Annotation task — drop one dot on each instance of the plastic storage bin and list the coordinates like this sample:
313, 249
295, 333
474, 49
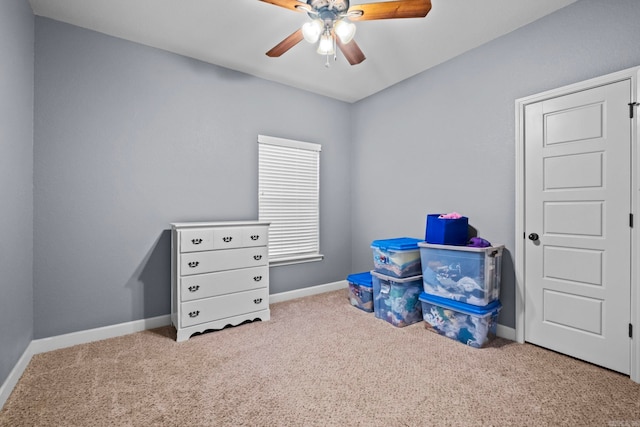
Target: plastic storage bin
396, 300
399, 257
467, 274
471, 325
446, 231
361, 291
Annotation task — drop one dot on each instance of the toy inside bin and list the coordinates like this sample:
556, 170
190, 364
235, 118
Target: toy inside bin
396, 300
361, 291
469, 324
399, 257
447, 231
462, 273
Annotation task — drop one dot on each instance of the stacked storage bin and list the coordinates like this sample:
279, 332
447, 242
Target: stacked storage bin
397, 281
361, 291
461, 287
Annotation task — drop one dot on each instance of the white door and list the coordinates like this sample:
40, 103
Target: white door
577, 225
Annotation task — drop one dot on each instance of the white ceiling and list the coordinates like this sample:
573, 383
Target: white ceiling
236, 34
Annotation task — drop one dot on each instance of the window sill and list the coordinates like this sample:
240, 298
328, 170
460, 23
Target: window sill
296, 260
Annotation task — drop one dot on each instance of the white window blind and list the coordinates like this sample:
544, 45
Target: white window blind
288, 188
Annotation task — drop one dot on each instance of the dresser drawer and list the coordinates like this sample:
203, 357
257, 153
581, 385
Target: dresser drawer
227, 237
224, 282
200, 239
255, 236
215, 308
210, 261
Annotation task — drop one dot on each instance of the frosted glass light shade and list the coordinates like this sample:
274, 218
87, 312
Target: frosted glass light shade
345, 30
325, 47
311, 30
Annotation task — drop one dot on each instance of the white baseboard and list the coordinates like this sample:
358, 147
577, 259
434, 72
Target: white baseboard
506, 332
82, 337
305, 292
7, 387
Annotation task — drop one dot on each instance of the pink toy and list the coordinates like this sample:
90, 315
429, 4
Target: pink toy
452, 215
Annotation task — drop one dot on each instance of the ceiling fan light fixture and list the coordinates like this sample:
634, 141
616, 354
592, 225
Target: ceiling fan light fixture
325, 47
336, 17
345, 30
311, 30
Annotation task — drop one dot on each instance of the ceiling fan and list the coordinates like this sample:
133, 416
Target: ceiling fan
330, 24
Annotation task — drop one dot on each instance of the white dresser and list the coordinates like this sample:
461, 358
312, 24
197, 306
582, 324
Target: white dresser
219, 275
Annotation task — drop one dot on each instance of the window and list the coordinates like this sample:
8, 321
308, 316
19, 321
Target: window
288, 198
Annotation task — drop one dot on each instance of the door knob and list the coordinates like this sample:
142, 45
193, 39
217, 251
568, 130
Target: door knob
533, 236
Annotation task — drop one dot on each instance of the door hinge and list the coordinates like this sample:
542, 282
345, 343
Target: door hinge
630, 330
631, 220
631, 105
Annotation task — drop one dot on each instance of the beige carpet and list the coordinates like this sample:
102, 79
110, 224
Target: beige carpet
318, 362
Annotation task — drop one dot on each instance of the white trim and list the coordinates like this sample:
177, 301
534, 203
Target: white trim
217, 224
43, 345
14, 376
295, 260
305, 292
506, 332
282, 142
519, 242
634, 369
633, 74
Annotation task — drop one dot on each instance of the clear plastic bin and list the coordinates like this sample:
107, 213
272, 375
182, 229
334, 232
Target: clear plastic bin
469, 324
462, 273
395, 300
361, 291
399, 257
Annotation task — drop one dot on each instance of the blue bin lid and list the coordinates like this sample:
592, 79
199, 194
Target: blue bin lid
397, 244
362, 279
462, 307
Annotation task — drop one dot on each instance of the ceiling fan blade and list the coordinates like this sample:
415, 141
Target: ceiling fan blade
286, 44
390, 9
351, 51
295, 5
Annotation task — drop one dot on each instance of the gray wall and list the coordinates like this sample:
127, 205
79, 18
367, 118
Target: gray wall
16, 182
444, 140
130, 138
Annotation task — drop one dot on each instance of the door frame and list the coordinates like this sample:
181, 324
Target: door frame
632, 74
